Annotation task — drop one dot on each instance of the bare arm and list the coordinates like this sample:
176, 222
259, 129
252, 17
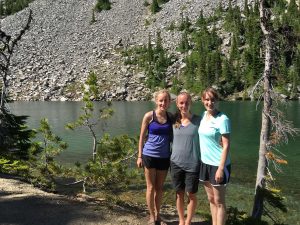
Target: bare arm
146, 120
225, 139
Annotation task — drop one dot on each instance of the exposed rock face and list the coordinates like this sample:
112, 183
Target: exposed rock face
62, 46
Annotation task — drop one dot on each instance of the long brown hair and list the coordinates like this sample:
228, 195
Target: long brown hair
177, 116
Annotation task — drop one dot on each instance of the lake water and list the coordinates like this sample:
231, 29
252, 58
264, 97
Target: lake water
245, 119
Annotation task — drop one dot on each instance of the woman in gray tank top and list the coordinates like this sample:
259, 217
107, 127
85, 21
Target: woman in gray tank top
185, 157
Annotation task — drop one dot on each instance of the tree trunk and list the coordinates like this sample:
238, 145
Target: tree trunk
265, 125
94, 153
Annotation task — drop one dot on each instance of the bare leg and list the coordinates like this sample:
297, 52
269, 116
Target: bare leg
219, 196
150, 175
158, 193
191, 208
180, 206
211, 199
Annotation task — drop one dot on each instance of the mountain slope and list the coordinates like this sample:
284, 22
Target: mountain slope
63, 46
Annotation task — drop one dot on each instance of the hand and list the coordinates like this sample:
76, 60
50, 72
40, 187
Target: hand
219, 175
139, 162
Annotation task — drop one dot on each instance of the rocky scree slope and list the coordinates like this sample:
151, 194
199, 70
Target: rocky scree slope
62, 46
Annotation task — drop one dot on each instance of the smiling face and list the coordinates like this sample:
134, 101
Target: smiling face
183, 103
162, 101
210, 99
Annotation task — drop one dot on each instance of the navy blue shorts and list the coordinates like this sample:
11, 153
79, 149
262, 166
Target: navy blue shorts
156, 163
183, 180
208, 172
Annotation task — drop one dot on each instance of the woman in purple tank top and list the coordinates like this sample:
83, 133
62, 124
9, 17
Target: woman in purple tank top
154, 153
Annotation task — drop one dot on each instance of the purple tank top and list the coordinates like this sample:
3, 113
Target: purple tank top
159, 138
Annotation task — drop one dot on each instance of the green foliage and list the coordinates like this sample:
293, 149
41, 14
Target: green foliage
87, 118
233, 21
172, 26
152, 59
237, 217
185, 24
155, 7
203, 65
42, 165
235, 65
239, 69
162, 1
50, 145
13, 166
9, 7
184, 45
146, 3
102, 5
176, 85
112, 166
112, 162
91, 92
14, 136
93, 20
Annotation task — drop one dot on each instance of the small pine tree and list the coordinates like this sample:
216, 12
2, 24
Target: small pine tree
103, 5
93, 20
159, 48
246, 8
155, 7
51, 144
184, 43
2, 12
234, 51
150, 53
201, 21
91, 92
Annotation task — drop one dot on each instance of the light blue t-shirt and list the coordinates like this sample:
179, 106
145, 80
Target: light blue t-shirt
210, 135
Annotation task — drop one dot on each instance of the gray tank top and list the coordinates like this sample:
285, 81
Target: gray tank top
186, 147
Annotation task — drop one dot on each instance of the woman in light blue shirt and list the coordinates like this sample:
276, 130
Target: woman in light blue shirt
214, 135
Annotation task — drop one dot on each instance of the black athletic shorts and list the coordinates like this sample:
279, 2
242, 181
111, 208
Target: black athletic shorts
208, 172
156, 163
183, 180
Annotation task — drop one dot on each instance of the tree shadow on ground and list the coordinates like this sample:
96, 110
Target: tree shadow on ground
193, 223
44, 210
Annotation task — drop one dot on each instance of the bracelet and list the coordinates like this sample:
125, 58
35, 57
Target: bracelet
139, 157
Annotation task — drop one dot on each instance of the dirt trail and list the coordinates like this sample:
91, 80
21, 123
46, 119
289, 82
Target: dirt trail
23, 204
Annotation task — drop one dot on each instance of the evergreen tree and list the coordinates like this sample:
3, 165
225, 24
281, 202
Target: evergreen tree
159, 48
150, 54
185, 23
234, 51
246, 8
103, 5
2, 12
155, 7
184, 43
87, 119
294, 75
93, 20
201, 21
50, 146
15, 137
292, 9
